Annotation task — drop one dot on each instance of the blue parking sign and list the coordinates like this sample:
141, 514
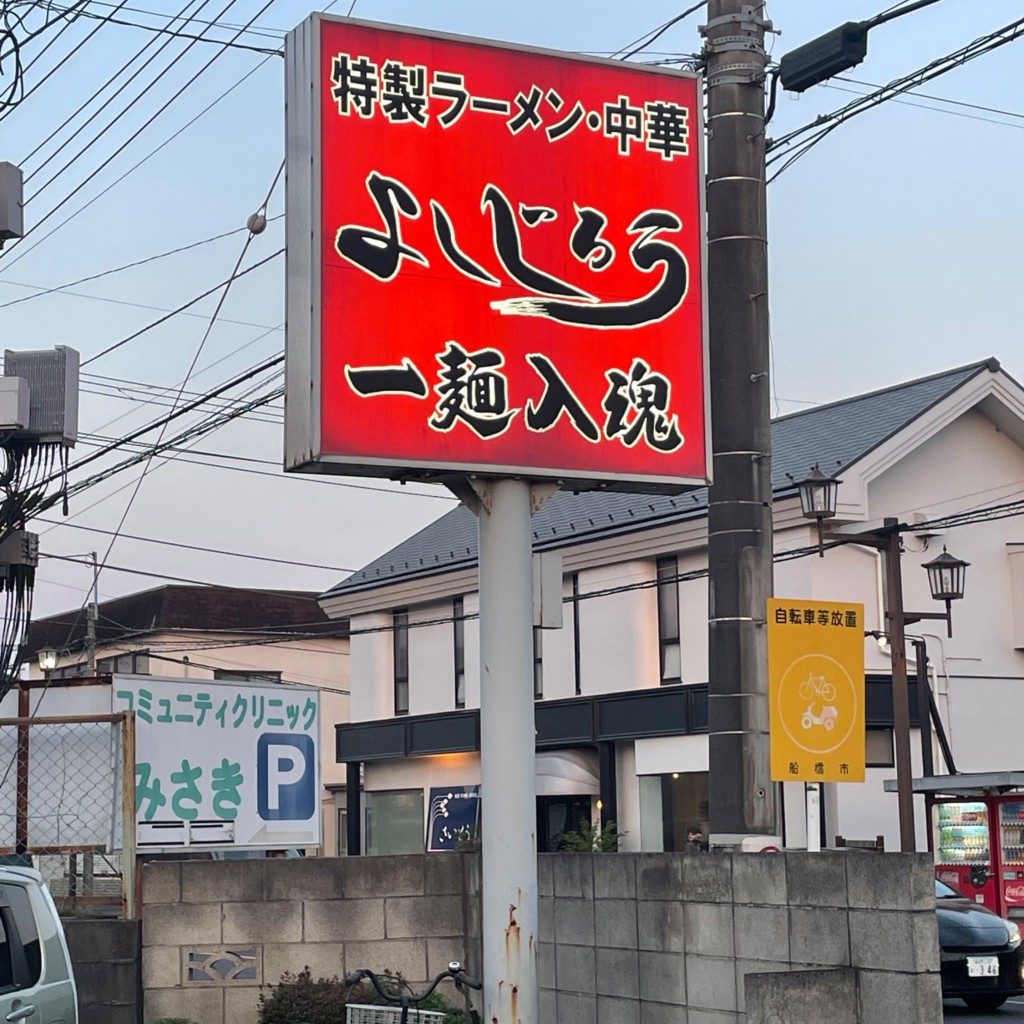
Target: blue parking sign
285, 777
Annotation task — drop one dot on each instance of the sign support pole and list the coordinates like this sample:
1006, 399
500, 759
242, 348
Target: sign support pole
812, 796
742, 796
507, 759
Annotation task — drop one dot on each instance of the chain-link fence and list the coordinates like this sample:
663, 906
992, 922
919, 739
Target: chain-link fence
67, 785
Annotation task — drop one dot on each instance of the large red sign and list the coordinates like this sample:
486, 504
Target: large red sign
507, 261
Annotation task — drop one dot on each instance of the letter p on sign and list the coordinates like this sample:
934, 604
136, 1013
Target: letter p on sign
285, 777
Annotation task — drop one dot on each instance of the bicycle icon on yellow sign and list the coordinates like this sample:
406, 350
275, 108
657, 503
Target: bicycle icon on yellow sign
817, 686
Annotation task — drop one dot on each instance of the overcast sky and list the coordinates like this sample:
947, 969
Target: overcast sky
894, 247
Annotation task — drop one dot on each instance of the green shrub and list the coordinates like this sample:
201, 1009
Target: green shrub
301, 997
175, 1020
590, 838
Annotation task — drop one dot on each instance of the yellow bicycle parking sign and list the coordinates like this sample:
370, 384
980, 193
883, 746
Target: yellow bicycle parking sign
816, 690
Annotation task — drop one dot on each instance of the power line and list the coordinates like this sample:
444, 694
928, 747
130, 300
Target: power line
199, 373
645, 40
178, 34
273, 416
827, 123
200, 430
196, 432
68, 22
42, 290
121, 302
205, 550
153, 152
120, 149
938, 99
180, 309
180, 16
312, 478
1004, 510
1000, 511
928, 106
255, 30
136, 572
181, 411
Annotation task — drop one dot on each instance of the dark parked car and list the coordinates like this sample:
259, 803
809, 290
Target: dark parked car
981, 954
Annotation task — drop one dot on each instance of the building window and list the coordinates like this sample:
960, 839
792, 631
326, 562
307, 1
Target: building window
668, 620
538, 663
130, 663
576, 633
394, 821
557, 815
671, 805
400, 639
459, 629
342, 840
878, 748
251, 676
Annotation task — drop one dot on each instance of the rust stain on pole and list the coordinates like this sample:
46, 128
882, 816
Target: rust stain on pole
512, 939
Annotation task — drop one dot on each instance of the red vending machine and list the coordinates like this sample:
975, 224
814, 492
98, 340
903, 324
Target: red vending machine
1010, 811
965, 849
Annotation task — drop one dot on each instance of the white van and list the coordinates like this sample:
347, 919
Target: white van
37, 984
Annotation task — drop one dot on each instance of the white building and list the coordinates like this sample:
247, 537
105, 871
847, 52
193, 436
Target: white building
622, 688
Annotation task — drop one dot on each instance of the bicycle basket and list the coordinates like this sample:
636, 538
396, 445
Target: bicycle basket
357, 1013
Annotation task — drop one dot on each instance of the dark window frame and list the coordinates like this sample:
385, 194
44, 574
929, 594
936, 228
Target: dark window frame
234, 675
667, 570
459, 649
134, 663
577, 675
538, 663
23, 975
400, 659
890, 760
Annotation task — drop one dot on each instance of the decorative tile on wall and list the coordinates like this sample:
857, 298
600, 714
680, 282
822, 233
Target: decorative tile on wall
222, 966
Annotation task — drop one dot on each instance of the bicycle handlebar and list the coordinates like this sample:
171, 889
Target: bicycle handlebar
455, 971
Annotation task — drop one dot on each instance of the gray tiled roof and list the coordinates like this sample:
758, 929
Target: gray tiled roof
834, 436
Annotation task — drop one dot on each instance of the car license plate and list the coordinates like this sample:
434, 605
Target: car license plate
983, 967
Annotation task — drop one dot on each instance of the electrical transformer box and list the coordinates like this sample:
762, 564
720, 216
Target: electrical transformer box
12, 216
52, 378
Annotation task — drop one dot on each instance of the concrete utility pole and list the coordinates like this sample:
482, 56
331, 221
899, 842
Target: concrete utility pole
742, 796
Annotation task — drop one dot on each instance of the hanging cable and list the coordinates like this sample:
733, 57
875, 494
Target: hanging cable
180, 16
25, 250
124, 145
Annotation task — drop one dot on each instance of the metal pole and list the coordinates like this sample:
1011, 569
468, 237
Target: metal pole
91, 615
129, 850
924, 694
900, 690
508, 780
812, 796
354, 805
742, 798
21, 785
609, 789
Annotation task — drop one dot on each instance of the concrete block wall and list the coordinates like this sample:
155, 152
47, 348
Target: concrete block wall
671, 939
624, 938
105, 955
215, 932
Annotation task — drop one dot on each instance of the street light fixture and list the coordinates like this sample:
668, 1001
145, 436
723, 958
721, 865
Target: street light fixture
47, 660
946, 579
818, 494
